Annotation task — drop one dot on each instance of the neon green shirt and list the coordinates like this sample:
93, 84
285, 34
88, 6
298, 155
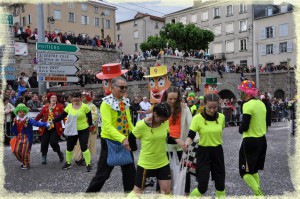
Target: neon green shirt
258, 112
153, 154
81, 119
210, 133
109, 118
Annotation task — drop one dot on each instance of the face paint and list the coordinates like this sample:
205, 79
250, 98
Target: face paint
157, 87
107, 86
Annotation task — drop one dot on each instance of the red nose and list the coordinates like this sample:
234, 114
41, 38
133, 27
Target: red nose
107, 92
154, 90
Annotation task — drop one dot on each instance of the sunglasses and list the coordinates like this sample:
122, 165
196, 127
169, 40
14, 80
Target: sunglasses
122, 87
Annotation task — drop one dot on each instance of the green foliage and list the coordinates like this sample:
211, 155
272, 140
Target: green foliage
183, 37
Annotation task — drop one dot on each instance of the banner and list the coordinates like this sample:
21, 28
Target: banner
21, 48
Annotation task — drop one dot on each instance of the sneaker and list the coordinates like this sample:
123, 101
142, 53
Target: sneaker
23, 167
61, 156
80, 162
44, 159
89, 168
66, 166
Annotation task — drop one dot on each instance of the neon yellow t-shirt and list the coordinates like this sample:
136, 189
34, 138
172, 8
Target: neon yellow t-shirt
258, 112
81, 119
153, 154
210, 133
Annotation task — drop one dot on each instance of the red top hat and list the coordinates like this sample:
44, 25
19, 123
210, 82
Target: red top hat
110, 71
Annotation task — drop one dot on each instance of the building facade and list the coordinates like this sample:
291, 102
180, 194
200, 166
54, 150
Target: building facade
135, 31
86, 18
232, 24
275, 35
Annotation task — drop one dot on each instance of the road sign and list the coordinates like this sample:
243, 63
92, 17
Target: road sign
7, 50
8, 68
8, 77
7, 61
56, 47
58, 78
57, 69
6, 19
56, 58
7, 31
7, 42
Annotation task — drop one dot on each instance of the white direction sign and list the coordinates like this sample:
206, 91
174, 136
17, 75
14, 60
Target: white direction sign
56, 57
58, 78
57, 69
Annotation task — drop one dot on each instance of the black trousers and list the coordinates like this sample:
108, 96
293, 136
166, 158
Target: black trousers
49, 137
83, 136
104, 171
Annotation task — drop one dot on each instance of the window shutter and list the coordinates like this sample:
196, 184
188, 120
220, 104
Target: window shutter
275, 49
263, 33
274, 31
82, 19
88, 20
74, 18
285, 30
289, 47
263, 50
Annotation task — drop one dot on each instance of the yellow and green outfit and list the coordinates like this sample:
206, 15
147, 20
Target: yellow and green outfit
210, 156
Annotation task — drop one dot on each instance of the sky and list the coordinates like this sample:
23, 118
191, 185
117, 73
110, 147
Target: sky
127, 9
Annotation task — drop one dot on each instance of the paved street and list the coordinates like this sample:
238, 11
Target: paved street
275, 179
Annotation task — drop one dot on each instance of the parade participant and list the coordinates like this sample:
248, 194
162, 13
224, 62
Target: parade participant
191, 103
116, 125
79, 126
51, 135
158, 83
179, 123
153, 160
210, 157
210, 85
22, 129
201, 105
77, 154
253, 149
8, 109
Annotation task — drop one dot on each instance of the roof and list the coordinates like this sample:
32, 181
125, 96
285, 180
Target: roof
186, 9
101, 3
140, 15
260, 10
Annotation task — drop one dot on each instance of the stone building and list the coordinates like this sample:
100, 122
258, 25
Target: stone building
135, 31
275, 35
86, 18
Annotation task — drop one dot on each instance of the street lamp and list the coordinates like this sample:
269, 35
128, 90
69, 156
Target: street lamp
102, 17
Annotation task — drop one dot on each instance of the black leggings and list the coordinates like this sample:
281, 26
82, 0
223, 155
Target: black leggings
49, 136
83, 136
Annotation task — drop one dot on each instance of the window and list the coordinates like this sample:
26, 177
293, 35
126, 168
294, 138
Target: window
230, 46
70, 5
283, 30
119, 37
217, 48
216, 13
24, 21
243, 44
135, 23
23, 8
289, 47
57, 15
106, 12
204, 16
96, 9
183, 20
229, 28
243, 7
283, 8
136, 47
84, 7
243, 63
107, 24
218, 30
283, 47
243, 25
136, 34
29, 19
71, 17
173, 21
229, 10
269, 11
194, 18
270, 32
269, 49
156, 25
96, 22
84, 20
118, 27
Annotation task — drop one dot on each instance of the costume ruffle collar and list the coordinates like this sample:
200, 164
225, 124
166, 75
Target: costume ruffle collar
21, 119
114, 102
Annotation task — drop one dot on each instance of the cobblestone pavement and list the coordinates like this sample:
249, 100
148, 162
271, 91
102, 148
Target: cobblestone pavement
275, 179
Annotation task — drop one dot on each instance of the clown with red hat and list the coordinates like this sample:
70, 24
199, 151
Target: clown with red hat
253, 129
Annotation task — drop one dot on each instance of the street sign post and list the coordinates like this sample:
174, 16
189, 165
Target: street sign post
58, 79
57, 47
7, 42
56, 58
57, 69
7, 50
8, 68
8, 77
6, 19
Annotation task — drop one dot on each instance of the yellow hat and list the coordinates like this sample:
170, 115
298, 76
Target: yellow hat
157, 71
